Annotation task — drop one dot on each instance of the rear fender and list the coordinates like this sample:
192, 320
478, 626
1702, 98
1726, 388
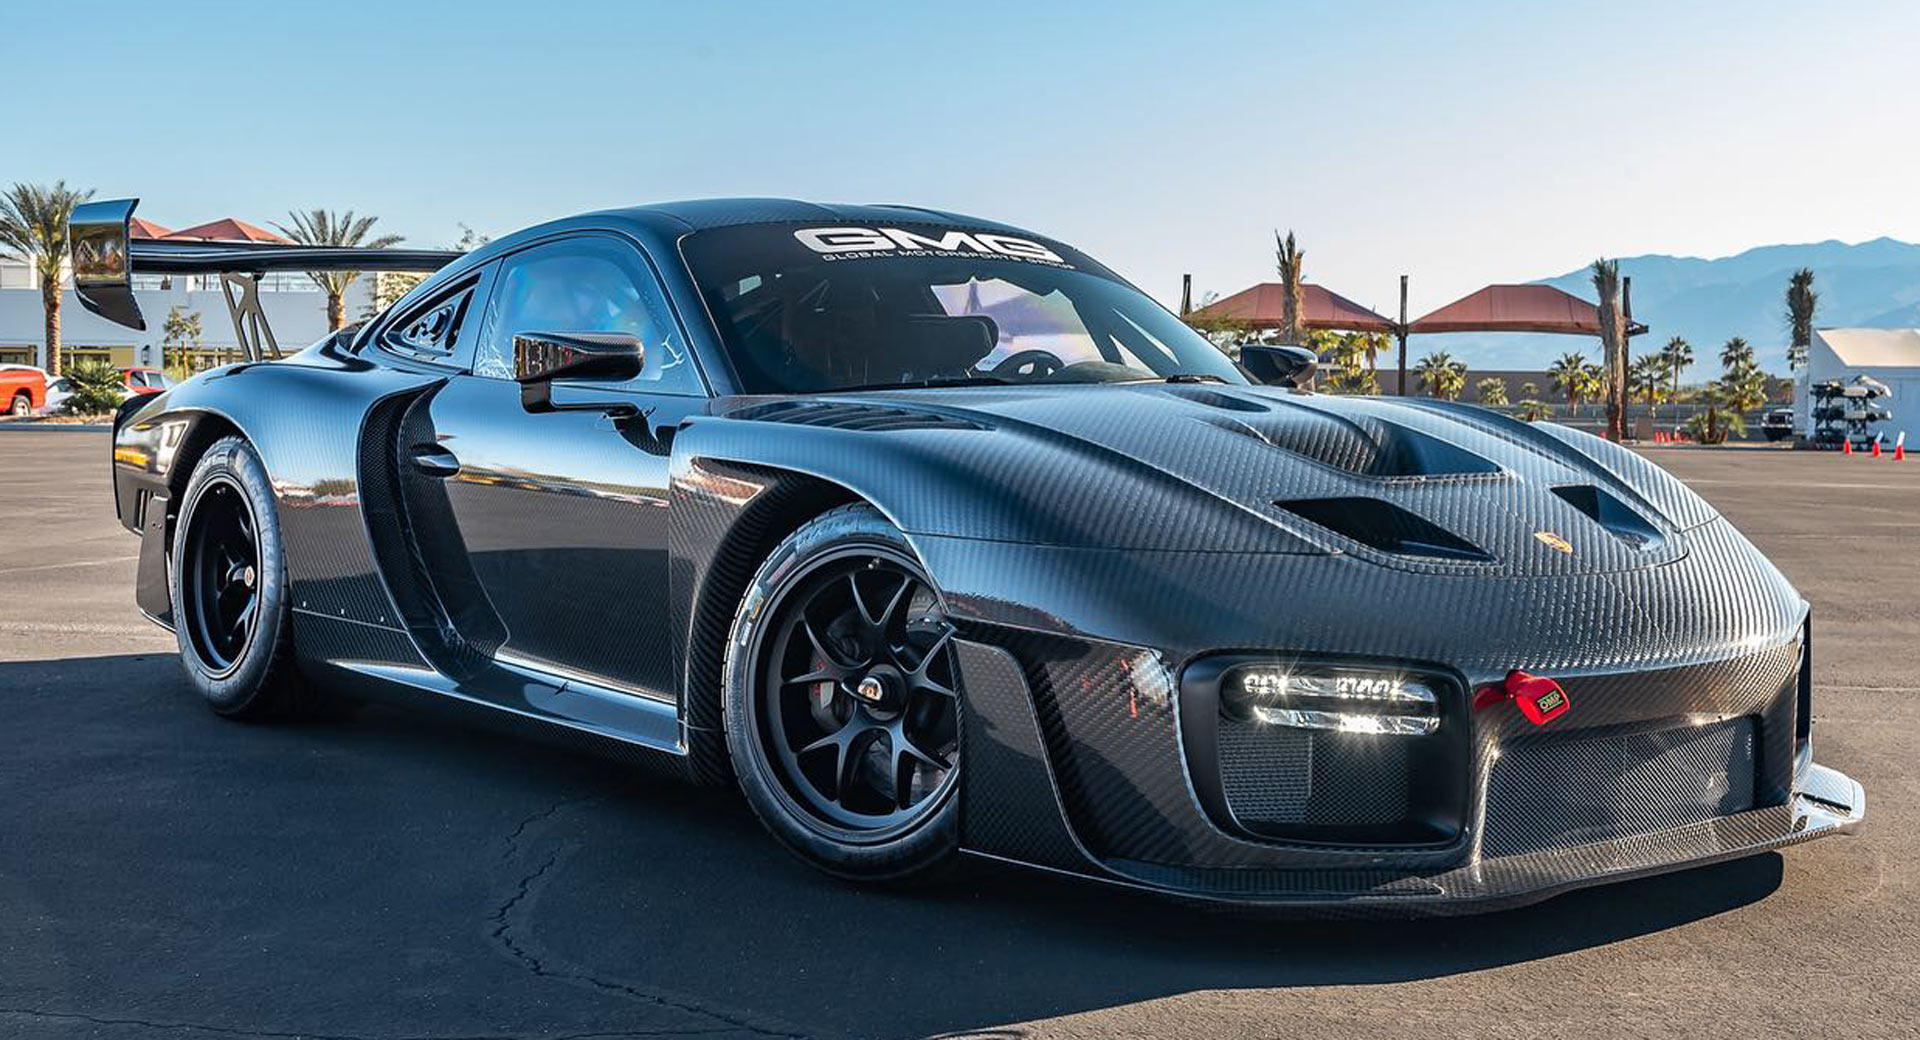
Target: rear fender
304, 421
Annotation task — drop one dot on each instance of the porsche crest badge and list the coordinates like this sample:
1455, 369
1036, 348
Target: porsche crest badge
1553, 541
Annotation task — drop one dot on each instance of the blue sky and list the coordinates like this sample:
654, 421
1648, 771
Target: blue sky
1460, 143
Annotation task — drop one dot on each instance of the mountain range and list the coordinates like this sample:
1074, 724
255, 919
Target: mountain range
1867, 284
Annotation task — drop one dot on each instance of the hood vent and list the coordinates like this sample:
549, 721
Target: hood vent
1366, 447
1215, 399
1616, 516
852, 416
1386, 527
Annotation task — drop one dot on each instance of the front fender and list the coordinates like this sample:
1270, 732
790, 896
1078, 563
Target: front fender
997, 485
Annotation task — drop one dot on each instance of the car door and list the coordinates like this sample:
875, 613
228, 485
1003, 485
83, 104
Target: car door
563, 513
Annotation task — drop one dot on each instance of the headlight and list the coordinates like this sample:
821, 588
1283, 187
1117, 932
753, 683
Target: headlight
1330, 697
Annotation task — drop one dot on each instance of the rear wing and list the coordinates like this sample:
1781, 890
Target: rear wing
106, 256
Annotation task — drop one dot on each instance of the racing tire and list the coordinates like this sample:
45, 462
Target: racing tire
227, 581
842, 702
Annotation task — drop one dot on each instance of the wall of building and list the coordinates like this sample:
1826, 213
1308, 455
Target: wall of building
297, 317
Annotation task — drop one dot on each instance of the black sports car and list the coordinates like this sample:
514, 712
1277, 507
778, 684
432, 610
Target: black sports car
937, 536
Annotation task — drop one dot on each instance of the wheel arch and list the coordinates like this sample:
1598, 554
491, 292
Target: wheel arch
207, 429
723, 564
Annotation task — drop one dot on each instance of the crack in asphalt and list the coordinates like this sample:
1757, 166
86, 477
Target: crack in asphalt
513, 837
504, 934
202, 1027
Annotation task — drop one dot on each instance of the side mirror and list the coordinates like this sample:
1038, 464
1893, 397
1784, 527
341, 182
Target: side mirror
541, 358
1278, 366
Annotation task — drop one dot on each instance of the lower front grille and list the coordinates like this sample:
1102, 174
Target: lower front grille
1320, 786
1552, 796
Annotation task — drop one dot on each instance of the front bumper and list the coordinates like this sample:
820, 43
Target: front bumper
1077, 762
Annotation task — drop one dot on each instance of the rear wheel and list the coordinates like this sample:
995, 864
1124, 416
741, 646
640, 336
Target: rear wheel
843, 701
22, 405
228, 587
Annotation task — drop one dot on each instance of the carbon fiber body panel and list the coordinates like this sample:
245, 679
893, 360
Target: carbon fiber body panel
1101, 548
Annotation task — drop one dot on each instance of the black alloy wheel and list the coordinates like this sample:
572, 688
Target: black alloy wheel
843, 701
227, 587
222, 577
858, 704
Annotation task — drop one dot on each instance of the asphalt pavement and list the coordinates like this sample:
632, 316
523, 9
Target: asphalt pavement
167, 875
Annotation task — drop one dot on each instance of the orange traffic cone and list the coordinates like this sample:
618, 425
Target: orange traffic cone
1846, 446
1900, 447
1876, 447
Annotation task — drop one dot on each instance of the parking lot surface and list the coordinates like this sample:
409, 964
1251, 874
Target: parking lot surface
167, 874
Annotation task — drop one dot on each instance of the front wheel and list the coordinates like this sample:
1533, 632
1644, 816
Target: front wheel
843, 701
228, 581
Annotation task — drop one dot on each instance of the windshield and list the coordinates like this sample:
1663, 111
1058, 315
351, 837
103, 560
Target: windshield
806, 308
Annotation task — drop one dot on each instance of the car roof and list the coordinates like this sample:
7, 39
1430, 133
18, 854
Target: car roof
700, 214
670, 220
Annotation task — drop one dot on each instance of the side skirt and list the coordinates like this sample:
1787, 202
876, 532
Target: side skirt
361, 660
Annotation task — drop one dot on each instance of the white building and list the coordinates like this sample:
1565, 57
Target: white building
295, 307
1890, 355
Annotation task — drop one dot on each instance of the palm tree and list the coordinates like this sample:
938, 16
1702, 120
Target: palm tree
180, 332
1593, 380
1570, 377
320, 227
1289, 257
1613, 346
1648, 378
1743, 389
1678, 354
1442, 376
33, 230
1529, 389
1491, 391
1802, 301
1710, 427
1530, 410
1337, 349
1736, 354
1373, 343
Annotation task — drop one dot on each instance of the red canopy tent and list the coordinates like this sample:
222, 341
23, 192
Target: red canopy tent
1260, 307
1518, 308
138, 228
1496, 308
227, 229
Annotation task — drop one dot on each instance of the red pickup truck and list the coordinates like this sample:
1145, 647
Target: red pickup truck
144, 381
23, 389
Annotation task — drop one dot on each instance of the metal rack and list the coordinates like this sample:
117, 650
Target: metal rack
1846, 412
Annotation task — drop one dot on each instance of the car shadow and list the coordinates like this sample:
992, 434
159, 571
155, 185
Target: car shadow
599, 886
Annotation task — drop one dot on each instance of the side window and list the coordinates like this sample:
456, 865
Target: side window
593, 283
429, 330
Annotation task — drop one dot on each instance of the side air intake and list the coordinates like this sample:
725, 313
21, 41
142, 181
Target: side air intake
1386, 527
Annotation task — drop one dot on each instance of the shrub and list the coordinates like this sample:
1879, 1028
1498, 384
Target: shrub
96, 388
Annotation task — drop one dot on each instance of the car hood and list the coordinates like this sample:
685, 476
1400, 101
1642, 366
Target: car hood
1404, 483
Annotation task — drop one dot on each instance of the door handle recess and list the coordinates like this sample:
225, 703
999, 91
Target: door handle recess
435, 461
